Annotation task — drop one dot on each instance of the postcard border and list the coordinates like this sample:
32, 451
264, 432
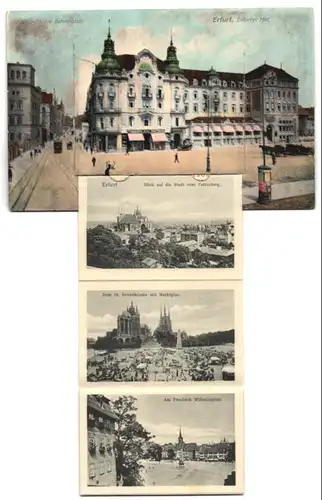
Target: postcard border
238, 489
93, 274
235, 286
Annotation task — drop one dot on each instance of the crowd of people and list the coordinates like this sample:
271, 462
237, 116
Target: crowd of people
160, 364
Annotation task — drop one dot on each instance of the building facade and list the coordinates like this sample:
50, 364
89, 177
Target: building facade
306, 122
133, 223
46, 112
24, 98
129, 324
101, 422
140, 102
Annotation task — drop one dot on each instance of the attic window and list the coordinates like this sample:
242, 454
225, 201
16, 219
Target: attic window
233, 84
176, 77
195, 82
224, 83
146, 75
131, 76
160, 77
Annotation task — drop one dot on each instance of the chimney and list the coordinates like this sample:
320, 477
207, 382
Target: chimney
281, 65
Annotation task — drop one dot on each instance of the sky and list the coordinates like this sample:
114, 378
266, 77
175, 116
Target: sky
201, 422
161, 204
45, 40
193, 311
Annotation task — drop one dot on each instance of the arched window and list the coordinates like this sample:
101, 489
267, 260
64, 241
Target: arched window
224, 83
225, 96
195, 82
233, 95
195, 95
233, 84
177, 122
159, 121
204, 83
131, 121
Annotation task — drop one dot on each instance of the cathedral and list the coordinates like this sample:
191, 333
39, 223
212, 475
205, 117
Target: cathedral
165, 323
129, 324
133, 222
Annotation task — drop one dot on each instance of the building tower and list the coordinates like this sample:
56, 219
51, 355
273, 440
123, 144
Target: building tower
179, 340
180, 446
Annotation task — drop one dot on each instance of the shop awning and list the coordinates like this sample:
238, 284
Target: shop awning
228, 129
239, 128
248, 128
135, 137
159, 137
217, 129
257, 128
197, 129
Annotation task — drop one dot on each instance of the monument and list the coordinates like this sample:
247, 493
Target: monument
179, 340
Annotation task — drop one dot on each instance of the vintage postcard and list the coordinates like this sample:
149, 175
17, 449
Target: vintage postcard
161, 92
165, 227
165, 443
160, 332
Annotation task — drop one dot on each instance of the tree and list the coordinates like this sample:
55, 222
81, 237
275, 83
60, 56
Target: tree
131, 437
171, 454
155, 451
159, 234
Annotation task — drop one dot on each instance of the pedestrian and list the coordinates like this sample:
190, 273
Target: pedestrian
10, 173
128, 149
273, 158
31, 155
107, 168
92, 150
176, 157
86, 149
35, 152
93, 161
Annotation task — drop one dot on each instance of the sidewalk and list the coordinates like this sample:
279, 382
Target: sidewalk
21, 165
281, 190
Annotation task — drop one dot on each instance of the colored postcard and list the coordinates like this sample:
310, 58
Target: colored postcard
165, 227
161, 92
160, 333
165, 443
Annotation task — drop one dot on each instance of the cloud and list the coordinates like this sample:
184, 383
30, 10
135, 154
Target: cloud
101, 323
22, 31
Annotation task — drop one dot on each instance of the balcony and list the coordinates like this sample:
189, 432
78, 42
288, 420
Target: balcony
178, 111
177, 97
131, 95
111, 94
102, 449
160, 96
107, 110
146, 95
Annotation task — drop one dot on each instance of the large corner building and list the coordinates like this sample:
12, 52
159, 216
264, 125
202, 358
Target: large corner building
140, 102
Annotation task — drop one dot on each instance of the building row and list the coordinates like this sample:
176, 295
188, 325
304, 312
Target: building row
220, 451
34, 116
140, 102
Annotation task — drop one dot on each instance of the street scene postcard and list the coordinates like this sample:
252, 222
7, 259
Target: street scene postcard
160, 227
178, 442
160, 332
161, 92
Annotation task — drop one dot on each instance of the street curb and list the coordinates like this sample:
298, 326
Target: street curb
30, 178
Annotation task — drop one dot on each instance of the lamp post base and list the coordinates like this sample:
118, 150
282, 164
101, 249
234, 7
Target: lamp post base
208, 169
